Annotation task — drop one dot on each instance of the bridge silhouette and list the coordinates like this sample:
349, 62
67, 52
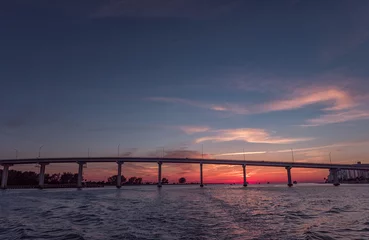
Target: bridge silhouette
43, 162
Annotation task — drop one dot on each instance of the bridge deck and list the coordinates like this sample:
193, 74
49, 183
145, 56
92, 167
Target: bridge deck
185, 160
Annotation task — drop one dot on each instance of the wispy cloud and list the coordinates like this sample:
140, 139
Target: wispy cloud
336, 99
333, 98
337, 117
337, 104
251, 135
312, 151
194, 129
184, 153
215, 107
241, 153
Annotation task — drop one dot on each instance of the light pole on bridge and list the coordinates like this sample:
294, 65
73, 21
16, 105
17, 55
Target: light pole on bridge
16, 153
293, 157
39, 151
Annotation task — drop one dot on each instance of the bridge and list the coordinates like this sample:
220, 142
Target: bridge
43, 162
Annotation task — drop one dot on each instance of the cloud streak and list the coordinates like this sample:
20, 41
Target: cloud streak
338, 105
194, 129
334, 98
301, 150
251, 135
241, 153
338, 117
215, 107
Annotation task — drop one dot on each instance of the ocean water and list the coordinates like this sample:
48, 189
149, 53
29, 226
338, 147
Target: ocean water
187, 212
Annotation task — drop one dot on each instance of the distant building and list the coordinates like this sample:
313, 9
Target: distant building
350, 175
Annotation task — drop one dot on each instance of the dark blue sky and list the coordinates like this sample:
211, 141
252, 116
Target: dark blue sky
259, 75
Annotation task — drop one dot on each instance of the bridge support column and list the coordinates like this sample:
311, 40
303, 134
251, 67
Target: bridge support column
80, 174
334, 172
201, 177
4, 179
41, 176
159, 174
244, 175
289, 176
119, 175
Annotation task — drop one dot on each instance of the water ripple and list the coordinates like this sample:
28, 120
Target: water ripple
186, 212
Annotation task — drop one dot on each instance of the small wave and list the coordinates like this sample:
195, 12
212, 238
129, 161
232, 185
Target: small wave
70, 236
298, 214
339, 210
83, 207
334, 210
310, 235
58, 208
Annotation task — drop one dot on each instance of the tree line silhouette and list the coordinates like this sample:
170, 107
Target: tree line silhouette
32, 178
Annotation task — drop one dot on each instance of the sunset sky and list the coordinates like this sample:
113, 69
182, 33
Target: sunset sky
231, 77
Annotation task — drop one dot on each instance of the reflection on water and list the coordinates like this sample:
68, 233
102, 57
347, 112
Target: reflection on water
187, 212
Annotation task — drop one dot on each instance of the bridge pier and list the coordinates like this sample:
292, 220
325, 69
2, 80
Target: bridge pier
289, 176
41, 176
4, 179
80, 174
244, 175
119, 175
159, 174
201, 176
334, 172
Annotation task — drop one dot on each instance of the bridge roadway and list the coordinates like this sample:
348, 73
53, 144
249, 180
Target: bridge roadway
334, 168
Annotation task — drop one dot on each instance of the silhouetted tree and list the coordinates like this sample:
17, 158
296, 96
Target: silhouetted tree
132, 180
22, 178
182, 180
138, 181
164, 181
68, 178
75, 178
113, 179
54, 179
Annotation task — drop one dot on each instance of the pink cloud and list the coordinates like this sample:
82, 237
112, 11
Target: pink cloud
334, 98
338, 117
241, 153
338, 99
339, 105
252, 135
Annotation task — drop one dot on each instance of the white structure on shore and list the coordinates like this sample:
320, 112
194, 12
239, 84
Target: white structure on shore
350, 175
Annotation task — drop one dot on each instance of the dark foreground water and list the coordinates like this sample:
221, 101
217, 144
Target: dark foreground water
187, 212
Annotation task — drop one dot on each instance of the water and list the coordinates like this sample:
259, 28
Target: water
187, 212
